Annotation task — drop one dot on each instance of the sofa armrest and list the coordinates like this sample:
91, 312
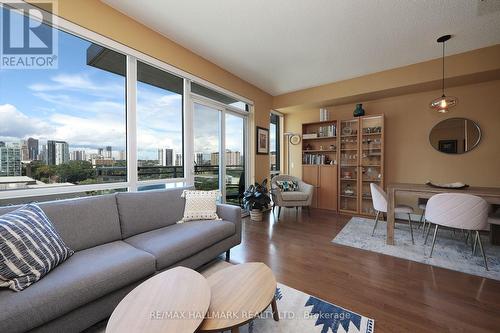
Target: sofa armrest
232, 214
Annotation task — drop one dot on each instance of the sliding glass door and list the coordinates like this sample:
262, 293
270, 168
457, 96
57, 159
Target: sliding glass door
219, 150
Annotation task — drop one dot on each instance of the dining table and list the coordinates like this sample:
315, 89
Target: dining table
490, 194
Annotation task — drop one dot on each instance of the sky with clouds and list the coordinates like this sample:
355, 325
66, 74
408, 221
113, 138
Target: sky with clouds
85, 106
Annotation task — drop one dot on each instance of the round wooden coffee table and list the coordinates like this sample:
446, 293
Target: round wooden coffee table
173, 301
239, 294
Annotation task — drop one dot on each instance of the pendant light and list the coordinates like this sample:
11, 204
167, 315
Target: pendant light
443, 103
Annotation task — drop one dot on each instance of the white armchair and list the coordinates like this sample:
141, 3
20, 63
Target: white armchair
300, 198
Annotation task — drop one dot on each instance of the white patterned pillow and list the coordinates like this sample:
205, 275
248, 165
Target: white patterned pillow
200, 205
29, 247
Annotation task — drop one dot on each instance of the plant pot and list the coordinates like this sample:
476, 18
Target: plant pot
256, 215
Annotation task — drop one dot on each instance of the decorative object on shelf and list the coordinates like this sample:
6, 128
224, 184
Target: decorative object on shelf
359, 111
262, 141
348, 190
443, 103
255, 199
308, 147
455, 186
295, 139
347, 130
324, 114
453, 130
332, 147
347, 174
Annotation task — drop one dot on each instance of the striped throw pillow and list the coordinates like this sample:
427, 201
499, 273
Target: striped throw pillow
29, 247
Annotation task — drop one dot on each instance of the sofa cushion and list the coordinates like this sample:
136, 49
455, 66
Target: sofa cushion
177, 242
145, 211
84, 277
200, 205
82, 222
294, 196
30, 247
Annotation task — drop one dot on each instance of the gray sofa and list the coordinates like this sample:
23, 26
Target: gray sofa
120, 240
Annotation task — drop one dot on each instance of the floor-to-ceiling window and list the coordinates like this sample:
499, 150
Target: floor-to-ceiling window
64, 126
109, 118
159, 124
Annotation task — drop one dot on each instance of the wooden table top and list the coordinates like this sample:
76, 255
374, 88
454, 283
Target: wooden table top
242, 290
476, 190
157, 304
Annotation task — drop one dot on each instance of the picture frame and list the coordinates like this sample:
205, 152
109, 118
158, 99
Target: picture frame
262, 138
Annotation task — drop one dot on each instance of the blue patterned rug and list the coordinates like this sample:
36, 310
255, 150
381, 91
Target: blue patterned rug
450, 251
302, 313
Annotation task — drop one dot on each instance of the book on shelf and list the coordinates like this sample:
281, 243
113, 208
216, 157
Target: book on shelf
314, 159
327, 131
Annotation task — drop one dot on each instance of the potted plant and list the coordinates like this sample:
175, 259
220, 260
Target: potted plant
255, 199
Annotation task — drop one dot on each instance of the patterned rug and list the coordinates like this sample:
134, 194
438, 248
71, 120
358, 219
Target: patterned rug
450, 251
302, 313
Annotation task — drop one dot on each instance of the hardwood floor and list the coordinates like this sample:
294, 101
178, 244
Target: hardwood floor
401, 295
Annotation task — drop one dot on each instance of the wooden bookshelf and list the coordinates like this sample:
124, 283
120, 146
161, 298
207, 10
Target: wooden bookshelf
319, 159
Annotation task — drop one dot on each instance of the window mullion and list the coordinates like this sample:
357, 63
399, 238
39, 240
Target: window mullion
132, 123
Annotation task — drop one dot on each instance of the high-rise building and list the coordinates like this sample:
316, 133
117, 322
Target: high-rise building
33, 149
161, 156
57, 152
178, 160
2, 144
10, 160
122, 155
109, 152
24, 151
100, 151
42, 156
78, 155
198, 158
165, 157
169, 157
232, 158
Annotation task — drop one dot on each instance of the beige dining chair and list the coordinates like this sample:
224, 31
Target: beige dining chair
459, 211
379, 200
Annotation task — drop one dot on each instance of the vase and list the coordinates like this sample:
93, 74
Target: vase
359, 111
256, 215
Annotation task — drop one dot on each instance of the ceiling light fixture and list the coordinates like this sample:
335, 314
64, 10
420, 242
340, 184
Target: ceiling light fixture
443, 103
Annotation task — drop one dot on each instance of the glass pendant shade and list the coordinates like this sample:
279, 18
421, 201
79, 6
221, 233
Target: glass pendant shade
443, 103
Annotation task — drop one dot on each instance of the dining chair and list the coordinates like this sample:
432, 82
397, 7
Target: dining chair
379, 199
422, 205
459, 211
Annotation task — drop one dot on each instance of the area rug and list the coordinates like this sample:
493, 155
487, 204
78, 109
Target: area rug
302, 313
450, 251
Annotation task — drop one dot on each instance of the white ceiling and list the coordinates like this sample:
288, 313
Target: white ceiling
286, 45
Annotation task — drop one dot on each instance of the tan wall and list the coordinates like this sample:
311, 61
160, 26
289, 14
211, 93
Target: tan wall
100, 18
409, 155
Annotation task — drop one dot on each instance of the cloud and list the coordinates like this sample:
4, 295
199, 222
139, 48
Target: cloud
15, 125
82, 83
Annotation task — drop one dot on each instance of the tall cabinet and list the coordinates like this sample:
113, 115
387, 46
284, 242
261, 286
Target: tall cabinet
361, 159
319, 158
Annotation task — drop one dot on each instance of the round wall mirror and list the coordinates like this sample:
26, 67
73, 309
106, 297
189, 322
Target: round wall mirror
455, 135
